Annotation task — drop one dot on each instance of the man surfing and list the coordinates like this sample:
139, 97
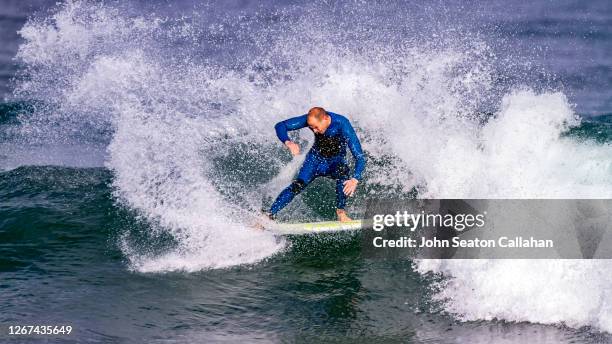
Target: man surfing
333, 133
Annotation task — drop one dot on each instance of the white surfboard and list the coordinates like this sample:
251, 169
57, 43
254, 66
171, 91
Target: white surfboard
316, 227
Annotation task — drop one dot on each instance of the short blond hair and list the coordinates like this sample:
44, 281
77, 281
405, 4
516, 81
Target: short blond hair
317, 112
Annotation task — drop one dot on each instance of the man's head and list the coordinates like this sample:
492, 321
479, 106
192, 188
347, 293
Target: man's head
318, 120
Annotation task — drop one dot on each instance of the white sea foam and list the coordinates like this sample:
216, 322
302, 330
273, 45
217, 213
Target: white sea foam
520, 154
156, 150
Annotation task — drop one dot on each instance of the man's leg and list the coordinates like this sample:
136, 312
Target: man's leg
305, 176
287, 195
341, 173
340, 196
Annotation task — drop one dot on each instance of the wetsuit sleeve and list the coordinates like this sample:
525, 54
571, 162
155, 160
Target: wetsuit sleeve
289, 124
355, 147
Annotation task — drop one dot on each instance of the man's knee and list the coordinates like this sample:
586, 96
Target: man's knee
297, 186
342, 172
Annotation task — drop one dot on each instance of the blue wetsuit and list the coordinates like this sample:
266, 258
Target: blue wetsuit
325, 158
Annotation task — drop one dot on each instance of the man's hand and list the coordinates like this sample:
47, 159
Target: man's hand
350, 186
294, 148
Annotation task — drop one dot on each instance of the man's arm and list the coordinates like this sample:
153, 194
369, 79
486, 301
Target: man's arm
355, 147
294, 123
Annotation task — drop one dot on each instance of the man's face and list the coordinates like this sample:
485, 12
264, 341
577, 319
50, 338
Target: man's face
318, 126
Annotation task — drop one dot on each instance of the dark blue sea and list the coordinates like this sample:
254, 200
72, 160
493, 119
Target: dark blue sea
137, 147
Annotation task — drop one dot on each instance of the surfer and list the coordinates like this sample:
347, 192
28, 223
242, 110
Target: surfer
333, 133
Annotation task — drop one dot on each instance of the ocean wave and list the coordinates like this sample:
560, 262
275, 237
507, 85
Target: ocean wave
171, 115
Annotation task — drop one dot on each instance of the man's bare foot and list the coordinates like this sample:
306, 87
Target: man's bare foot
264, 219
342, 215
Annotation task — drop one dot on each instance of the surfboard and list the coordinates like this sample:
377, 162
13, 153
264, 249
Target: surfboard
316, 227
